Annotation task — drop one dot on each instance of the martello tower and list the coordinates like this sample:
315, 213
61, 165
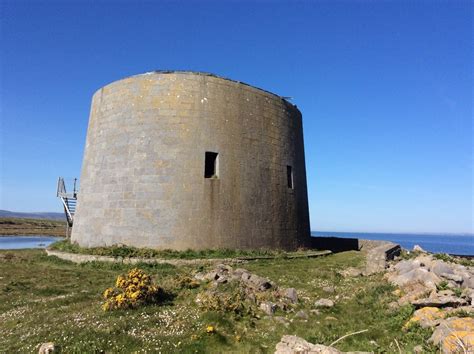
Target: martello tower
178, 160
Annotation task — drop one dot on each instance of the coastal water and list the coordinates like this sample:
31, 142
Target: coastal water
20, 242
452, 244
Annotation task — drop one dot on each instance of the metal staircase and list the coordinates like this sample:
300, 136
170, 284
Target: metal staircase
69, 200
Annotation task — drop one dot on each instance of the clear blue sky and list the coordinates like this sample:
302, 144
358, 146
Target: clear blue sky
385, 88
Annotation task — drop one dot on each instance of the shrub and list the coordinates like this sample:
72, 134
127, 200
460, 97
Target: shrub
131, 290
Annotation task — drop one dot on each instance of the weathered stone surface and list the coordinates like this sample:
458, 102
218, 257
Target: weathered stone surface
268, 307
454, 277
418, 275
142, 182
324, 303
290, 294
440, 267
294, 344
440, 301
426, 317
450, 329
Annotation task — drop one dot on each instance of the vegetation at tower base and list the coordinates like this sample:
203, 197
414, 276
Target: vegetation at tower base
207, 308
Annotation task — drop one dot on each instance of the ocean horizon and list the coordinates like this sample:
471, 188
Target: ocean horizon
457, 244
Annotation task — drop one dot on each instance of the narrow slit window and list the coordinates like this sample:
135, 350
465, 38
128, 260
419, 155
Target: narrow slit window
289, 176
211, 165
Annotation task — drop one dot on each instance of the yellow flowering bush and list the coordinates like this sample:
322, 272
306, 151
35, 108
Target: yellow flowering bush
131, 290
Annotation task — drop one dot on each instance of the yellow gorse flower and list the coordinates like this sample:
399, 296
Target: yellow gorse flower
132, 289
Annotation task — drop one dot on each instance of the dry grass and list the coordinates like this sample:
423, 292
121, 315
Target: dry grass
24, 227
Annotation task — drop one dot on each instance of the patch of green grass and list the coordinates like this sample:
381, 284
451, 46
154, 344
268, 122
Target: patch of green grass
47, 299
128, 251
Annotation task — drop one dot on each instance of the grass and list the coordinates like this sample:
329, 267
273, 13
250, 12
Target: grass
46, 299
23, 227
128, 251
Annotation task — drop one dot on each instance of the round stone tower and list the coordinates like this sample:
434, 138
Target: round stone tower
186, 160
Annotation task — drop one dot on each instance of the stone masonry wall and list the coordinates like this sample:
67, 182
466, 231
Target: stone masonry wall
142, 181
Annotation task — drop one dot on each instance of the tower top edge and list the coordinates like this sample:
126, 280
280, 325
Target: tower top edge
203, 73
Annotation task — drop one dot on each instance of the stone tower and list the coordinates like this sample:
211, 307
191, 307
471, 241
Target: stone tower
178, 160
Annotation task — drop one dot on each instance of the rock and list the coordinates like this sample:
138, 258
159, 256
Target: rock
440, 267
444, 293
418, 349
425, 317
425, 260
440, 301
418, 275
406, 266
324, 303
350, 272
47, 348
258, 282
268, 307
294, 344
413, 291
468, 283
290, 294
418, 248
451, 329
329, 289
458, 342
454, 277
302, 314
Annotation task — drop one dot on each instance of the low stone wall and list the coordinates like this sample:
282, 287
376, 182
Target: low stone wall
84, 258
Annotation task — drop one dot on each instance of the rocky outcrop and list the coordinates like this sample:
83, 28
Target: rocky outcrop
297, 345
256, 289
428, 282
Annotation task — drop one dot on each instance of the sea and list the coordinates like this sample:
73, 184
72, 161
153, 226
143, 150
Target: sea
436, 243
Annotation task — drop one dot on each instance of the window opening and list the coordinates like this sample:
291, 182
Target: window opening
211, 165
289, 176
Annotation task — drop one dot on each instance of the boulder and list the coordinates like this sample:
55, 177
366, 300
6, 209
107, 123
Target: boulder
440, 267
439, 301
426, 317
324, 303
290, 294
454, 333
376, 259
268, 307
406, 265
418, 275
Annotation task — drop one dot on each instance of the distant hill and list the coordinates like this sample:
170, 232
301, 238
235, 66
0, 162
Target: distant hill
15, 214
